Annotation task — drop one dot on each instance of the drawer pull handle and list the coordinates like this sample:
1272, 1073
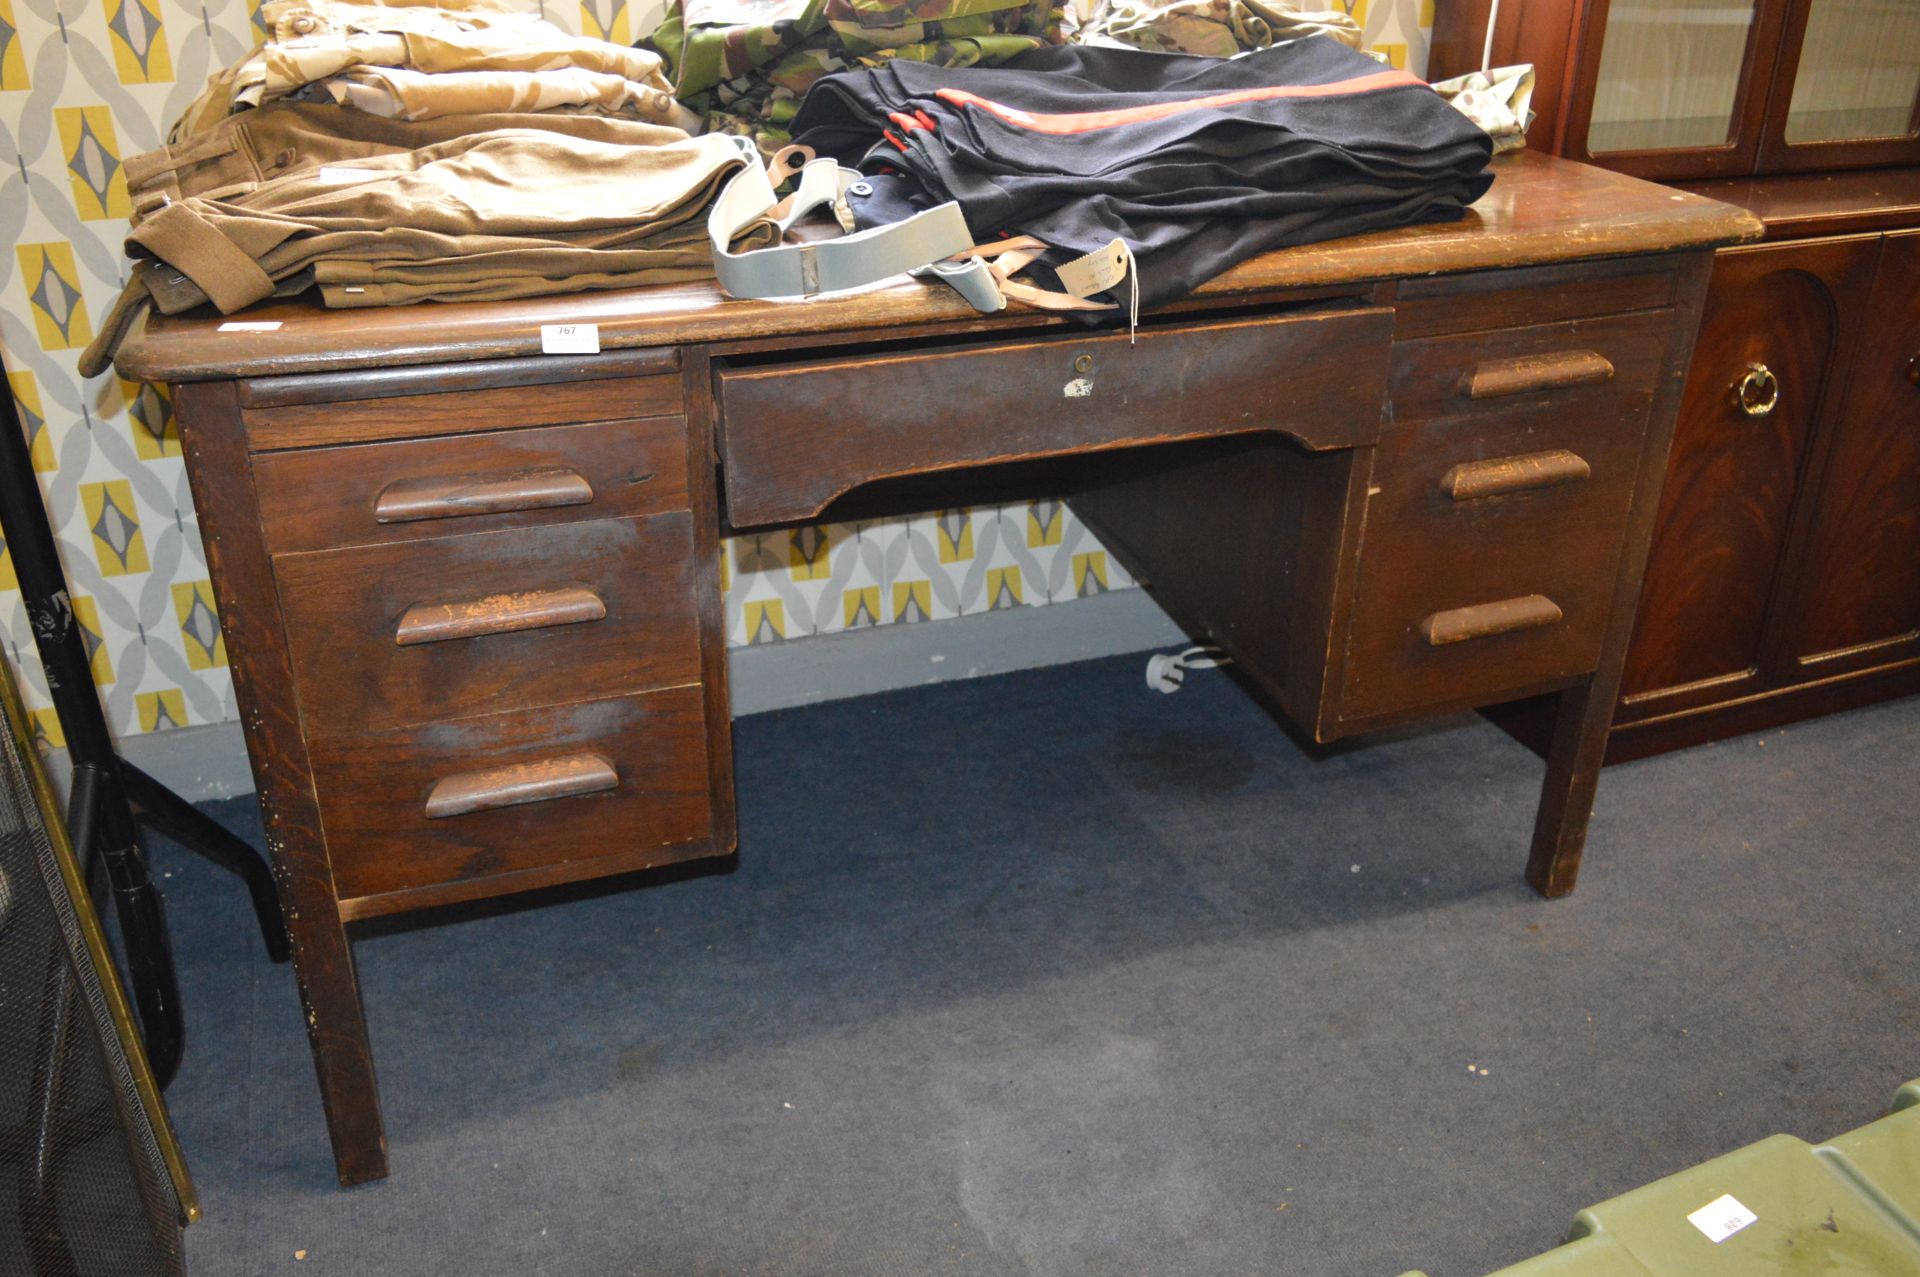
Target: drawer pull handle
1484, 620
1524, 374
498, 614
1501, 475
532, 782
409, 500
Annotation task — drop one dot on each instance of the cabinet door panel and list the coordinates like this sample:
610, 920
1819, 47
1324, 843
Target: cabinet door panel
1729, 495
1859, 600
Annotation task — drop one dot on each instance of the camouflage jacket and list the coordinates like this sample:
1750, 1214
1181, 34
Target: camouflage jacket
1217, 28
745, 64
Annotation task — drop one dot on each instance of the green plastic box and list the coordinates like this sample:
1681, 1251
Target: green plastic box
1779, 1208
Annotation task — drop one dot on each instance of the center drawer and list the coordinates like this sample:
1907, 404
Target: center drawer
389, 635
796, 435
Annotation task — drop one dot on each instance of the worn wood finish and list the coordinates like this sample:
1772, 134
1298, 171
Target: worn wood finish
498, 614
441, 378
1540, 210
462, 496
412, 416
1549, 367
1477, 480
374, 789
1436, 306
344, 610
709, 605
1584, 712
352, 740
1489, 620
214, 445
1858, 598
330, 498
539, 780
1427, 553
1732, 479
1529, 374
793, 436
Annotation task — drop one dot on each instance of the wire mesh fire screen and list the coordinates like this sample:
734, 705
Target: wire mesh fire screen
85, 1190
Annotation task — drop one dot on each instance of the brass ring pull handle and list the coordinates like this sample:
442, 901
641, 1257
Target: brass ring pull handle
1758, 393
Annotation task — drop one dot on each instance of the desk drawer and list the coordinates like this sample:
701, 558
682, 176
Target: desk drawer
796, 435
550, 795
1490, 554
362, 494
388, 635
1551, 368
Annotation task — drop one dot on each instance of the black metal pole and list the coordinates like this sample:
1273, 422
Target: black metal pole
101, 807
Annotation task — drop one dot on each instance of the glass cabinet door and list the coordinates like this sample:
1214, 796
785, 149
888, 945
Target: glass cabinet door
1676, 88
1669, 75
1849, 89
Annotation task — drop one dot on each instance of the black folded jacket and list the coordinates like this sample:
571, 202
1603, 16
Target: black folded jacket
1197, 163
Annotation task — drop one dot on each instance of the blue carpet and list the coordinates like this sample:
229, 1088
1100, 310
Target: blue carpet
1049, 974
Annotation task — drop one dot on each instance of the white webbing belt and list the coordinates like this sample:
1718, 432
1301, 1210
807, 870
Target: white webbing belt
935, 243
857, 260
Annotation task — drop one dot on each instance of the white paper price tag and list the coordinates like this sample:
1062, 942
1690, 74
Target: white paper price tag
249, 326
570, 339
1721, 1218
335, 175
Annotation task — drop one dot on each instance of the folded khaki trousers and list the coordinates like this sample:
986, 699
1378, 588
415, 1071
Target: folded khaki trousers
509, 213
244, 151
313, 41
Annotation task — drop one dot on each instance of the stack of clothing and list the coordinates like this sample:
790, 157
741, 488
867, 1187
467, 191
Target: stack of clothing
1195, 163
745, 64
416, 61
278, 179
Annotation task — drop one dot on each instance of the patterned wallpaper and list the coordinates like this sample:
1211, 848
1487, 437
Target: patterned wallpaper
84, 82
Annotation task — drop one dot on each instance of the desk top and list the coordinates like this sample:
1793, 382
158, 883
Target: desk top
1541, 210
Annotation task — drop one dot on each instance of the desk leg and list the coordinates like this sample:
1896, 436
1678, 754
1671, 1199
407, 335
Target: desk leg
218, 468
1581, 722
336, 1030
1584, 716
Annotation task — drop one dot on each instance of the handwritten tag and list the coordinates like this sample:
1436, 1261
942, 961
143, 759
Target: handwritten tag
1721, 1218
570, 339
249, 326
1097, 271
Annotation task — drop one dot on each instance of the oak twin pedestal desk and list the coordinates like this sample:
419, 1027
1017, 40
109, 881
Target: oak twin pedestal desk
471, 592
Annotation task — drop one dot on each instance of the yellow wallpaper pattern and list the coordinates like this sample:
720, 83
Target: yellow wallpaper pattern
85, 82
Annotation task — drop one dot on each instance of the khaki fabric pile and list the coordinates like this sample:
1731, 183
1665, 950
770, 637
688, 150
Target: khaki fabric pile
379, 209
419, 61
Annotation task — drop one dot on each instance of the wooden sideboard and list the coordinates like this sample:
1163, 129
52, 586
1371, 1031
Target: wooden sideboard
471, 597
1784, 580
